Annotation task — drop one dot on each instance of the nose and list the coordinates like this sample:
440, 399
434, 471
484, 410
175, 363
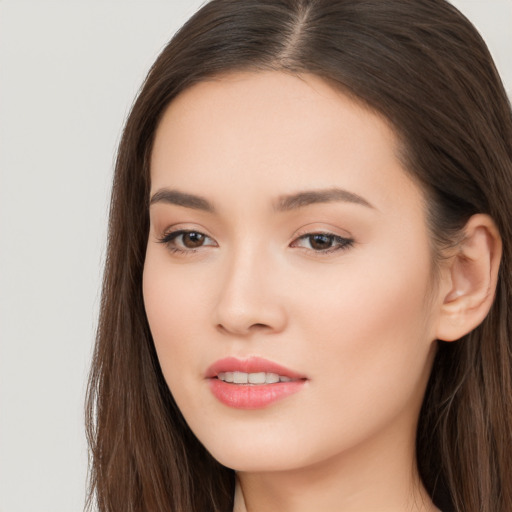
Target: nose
250, 295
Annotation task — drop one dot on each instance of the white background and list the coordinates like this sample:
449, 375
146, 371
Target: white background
69, 71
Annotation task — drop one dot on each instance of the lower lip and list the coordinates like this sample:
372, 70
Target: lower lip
256, 396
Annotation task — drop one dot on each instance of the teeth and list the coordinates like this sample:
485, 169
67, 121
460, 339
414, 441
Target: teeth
252, 378
240, 377
271, 378
257, 378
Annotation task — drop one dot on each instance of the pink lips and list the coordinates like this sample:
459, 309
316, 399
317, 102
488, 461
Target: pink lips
252, 396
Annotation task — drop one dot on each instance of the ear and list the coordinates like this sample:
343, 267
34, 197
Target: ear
471, 279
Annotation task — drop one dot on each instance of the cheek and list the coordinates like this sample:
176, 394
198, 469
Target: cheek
373, 329
167, 302
175, 307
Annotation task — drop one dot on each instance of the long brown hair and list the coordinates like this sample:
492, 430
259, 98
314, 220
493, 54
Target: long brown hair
424, 67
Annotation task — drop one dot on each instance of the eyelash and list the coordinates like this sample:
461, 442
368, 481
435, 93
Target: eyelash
342, 243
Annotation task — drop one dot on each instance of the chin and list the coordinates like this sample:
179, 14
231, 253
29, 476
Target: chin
250, 462
258, 455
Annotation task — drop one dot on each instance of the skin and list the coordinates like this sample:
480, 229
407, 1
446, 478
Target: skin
359, 322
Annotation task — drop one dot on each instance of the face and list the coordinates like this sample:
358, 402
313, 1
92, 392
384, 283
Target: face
286, 237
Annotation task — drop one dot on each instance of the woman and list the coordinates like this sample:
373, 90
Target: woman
305, 302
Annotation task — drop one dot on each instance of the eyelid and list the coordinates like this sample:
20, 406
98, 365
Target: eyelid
171, 234
343, 243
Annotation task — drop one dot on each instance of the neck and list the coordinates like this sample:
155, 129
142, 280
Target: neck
363, 481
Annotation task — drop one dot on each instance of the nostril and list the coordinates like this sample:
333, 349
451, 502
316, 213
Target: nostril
240, 329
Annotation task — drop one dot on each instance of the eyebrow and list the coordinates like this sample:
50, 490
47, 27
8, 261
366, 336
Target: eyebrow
165, 195
284, 203
301, 199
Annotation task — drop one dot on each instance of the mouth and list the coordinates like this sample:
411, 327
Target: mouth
253, 370
252, 383
255, 379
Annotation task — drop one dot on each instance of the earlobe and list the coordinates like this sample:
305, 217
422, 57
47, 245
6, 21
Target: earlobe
473, 275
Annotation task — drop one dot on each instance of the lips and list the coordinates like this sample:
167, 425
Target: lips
250, 365
252, 383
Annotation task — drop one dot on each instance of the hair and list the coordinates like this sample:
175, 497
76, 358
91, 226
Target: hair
422, 66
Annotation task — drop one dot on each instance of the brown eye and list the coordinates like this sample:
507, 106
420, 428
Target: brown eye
185, 241
193, 239
321, 242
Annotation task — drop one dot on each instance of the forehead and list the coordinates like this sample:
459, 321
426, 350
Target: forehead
272, 132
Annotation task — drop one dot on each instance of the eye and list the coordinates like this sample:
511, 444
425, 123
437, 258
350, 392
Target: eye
323, 243
184, 240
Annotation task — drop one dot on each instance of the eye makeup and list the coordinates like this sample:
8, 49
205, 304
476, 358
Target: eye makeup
184, 241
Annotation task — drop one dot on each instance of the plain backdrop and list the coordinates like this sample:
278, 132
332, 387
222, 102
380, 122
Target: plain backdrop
69, 71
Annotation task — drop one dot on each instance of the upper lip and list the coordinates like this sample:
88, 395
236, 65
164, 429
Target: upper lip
250, 365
